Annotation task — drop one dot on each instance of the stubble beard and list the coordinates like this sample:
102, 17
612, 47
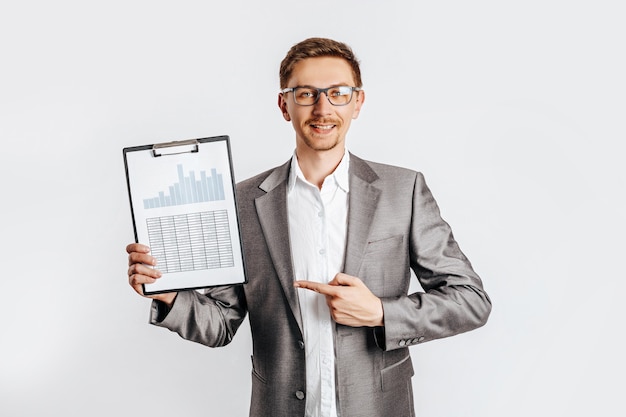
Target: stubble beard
326, 144
317, 146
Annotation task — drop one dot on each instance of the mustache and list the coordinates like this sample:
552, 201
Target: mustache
322, 122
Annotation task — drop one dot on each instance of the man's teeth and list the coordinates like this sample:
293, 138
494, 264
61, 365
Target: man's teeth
323, 127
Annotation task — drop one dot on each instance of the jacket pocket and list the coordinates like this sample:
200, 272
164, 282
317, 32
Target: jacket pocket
397, 374
385, 266
391, 244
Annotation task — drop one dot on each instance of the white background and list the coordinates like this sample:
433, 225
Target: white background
514, 111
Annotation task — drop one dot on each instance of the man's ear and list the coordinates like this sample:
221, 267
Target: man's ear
360, 99
282, 105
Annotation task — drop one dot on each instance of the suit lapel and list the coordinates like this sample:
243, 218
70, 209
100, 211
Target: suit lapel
363, 200
272, 211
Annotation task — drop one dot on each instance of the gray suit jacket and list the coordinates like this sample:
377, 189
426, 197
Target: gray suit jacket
393, 226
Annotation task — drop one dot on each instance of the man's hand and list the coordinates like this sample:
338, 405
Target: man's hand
349, 300
140, 272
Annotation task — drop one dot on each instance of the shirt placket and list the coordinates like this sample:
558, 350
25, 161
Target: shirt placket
325, 328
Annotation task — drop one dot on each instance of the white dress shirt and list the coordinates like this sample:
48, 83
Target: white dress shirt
317, 229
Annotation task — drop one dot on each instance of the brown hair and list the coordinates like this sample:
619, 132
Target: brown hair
314, 48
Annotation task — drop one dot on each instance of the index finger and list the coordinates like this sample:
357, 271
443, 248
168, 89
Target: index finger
324, 289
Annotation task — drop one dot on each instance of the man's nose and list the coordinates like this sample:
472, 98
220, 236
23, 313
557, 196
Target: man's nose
323, 105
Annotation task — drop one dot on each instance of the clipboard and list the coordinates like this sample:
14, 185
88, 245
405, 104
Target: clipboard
183, 205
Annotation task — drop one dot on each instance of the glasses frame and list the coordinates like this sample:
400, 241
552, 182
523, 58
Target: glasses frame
319, 93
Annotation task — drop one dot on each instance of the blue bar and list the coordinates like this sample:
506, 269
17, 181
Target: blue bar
220, 185
216, 185
188, 190
172, 196
192, 185
205, 191
179, 198
183, 185
199, 191
210, 189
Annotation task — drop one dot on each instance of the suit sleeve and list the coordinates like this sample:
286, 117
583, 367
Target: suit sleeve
211, 318
453, 300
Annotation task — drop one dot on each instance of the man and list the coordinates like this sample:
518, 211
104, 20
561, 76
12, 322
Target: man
329, 241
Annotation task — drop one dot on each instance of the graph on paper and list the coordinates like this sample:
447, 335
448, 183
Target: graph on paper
191, 242
194, 187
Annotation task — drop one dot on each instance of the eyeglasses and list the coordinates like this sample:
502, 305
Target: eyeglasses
308, 96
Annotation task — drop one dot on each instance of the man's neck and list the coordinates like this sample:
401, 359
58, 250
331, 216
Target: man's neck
317, 165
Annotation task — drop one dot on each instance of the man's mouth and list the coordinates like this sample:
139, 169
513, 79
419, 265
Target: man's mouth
322, 126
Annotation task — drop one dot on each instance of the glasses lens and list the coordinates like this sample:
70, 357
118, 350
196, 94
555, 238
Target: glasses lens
340, 96
305, 96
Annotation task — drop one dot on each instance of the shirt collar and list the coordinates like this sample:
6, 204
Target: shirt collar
340, 174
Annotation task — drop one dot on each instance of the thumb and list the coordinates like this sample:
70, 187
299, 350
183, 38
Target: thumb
344, 280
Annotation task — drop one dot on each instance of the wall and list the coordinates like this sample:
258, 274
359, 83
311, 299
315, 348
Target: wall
512, 110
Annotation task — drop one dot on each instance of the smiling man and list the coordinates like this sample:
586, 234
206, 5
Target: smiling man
320, 125
329, 243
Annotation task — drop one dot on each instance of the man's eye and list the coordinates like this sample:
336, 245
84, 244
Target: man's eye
338, 92
306, 94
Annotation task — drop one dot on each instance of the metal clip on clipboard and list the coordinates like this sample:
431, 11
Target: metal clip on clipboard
175, 147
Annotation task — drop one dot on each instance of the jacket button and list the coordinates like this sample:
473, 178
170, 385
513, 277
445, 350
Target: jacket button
300, 395
300, 344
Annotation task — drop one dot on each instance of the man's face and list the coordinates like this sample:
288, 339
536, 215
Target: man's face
322, 126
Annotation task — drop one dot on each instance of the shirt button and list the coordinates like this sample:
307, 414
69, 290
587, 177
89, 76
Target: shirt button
300, 395
322, 251
320, 214
300, 344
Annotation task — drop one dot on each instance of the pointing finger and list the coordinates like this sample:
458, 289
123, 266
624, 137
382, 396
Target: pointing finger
345, 280
316, 286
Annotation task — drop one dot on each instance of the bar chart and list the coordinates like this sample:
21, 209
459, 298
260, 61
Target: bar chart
190, 242
191, 188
